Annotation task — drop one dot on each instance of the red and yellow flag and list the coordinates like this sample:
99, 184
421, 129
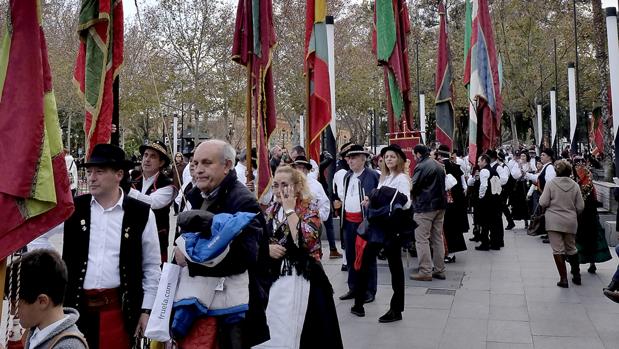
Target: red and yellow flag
34, 192
254, 38
316, 64
99, 61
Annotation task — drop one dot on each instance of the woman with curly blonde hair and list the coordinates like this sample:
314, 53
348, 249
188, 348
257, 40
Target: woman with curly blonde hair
301, 311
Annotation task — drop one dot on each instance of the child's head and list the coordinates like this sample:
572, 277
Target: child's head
42, 283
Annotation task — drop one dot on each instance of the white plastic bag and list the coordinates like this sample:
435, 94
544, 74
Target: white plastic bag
158, 327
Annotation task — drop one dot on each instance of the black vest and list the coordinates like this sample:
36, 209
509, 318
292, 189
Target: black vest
489, 200
162, 215
541, 179
75, 254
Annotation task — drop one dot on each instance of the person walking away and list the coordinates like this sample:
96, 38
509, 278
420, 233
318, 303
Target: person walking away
111, 250
72, 170
359, 180
489, 205
590, 236
563, 202
429, 205
388, 208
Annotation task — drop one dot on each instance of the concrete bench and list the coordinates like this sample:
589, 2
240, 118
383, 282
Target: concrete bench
612, 234
605, 195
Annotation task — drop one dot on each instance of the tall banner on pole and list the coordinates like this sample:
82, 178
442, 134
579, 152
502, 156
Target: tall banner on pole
254, 38
572, 98
422, 116
391, 27
331, 131
316, 65
445, 123
99, 61
482, 73
540, 132
553, 116
34, 194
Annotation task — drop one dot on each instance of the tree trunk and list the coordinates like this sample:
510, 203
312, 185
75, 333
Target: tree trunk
512, 119
601, 57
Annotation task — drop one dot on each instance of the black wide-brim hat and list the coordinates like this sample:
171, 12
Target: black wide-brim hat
344, 148
443, 149
302, 160
549, 152
104, 154
158, 146
354, 150
395, 148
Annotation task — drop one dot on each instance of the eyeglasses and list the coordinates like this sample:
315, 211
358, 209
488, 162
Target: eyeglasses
283, 186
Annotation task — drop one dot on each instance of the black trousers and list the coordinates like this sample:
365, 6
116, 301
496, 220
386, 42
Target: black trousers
394, 258
505, 209
492, 229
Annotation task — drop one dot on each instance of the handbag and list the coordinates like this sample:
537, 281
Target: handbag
537, 226
158, 327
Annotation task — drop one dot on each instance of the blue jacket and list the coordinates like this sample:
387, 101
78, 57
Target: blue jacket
367, 181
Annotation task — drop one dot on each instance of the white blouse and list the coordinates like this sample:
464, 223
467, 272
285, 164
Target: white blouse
401, 183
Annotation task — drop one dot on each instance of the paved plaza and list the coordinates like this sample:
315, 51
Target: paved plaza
504, 299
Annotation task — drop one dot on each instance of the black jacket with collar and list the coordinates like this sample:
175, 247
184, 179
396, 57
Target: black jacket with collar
248, 251
368, 181
428, 186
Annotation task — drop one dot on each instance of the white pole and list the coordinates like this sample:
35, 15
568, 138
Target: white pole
175, 130
572, 85
69, 134
331, 48
553, 116
540, 134
613, 61
422, 115
301, 132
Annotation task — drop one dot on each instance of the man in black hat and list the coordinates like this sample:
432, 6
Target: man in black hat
155, 189
358, 183
547, 173
111, 249
489, 184
508, 183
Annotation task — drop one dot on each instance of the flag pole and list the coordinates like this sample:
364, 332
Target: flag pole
306, 119
249, 78
2, 278
115, 137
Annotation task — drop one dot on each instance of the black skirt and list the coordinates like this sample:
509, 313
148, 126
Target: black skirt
455, 224
521, 208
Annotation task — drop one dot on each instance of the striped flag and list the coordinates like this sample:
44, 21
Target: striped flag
254, 38
391, 27
34, 192
482, 73
445, 123
316, 64
99, 61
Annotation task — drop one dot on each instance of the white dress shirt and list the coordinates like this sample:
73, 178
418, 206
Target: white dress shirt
550, 173
464, 165
533, 164
353, 201
39, 334
241, 176
502, 171
103, 270
484, 175
72, 170
186, 174
319, 198
338, 181
315, 170
402, 183
179, 197
160, 198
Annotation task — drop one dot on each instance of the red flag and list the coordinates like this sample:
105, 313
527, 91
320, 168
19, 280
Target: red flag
99, 61
445, 123
244, 48
34, 193
316, 64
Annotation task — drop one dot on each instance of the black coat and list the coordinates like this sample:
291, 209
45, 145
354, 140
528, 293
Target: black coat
428, 186
387, 216
248, 251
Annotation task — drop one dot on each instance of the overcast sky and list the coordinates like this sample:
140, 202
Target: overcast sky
130, 11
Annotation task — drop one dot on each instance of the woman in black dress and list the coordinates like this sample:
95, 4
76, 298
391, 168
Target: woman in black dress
521, 208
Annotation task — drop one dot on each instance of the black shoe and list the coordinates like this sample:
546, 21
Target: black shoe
546, 241
347, 296
495, 248
592, 269
390, 316
482, 248
344, 268
510, 226
359, 311
450, 259
545, 236
369, 298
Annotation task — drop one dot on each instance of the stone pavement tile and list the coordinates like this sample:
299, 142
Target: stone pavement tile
428, 301
372, 313
472, 295
506, 275
610, 339
546, 294
539, 273
475, 272
476, 283
509, 331
506, 287
599, 305
538, 257
605, 323
466, 327
509, 313
502, 265
507, 300
503, 256
421, 318
563, 327
548, 282
556, 310
392, 337
538, 265
358, 335
418, 291
549, 342
451, 341
470, 309
495, 345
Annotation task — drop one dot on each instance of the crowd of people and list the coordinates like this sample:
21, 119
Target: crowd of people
266, 287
